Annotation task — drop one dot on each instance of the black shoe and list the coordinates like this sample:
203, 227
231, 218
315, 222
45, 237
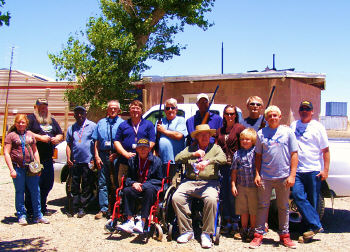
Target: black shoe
81, 213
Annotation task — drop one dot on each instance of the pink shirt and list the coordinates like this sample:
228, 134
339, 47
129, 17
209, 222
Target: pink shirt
16, 153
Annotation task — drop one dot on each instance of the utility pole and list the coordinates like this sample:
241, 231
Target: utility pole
6, 106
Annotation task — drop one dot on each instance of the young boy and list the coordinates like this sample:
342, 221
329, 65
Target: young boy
276, 162
242, 181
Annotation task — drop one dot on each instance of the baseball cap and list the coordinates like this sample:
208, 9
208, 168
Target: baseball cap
143, 142
202, 95
306, 104
79, 108
41, 101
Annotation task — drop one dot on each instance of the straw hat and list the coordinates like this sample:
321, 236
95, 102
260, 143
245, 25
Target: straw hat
203, 128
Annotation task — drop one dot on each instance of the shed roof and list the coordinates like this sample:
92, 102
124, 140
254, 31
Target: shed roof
315, 79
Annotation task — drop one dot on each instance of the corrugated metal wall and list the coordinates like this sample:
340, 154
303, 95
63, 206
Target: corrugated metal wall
23, 92
334, 122
336, 109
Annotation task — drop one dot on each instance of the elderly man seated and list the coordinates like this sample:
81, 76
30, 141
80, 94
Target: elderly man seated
144, 179
202, 160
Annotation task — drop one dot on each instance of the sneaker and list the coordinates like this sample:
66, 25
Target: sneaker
237, 236
81, 213
310, 234
185, 237
139, 226
42, 220
22, 221
250, 234
287, 242
100, 215
227, 228
257, 241
127, 226
205, 240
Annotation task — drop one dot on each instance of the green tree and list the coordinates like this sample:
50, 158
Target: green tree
112, 51
4, 18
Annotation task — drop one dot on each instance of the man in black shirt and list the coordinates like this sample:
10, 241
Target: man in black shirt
255, 118
48, 134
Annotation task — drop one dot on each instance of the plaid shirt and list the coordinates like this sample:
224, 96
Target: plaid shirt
244, 163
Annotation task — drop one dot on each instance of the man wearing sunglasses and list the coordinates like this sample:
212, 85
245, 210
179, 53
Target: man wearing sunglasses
255, 108
172, 132
313, 167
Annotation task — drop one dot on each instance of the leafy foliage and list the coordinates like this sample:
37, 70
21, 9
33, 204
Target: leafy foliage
4, 18
112, 52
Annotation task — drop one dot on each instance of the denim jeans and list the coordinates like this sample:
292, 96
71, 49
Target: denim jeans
32, 183
46, 181
104, 180
226, 196
305, 193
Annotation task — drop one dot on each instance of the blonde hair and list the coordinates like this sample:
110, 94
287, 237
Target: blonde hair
250, 98
272, 108
250, 134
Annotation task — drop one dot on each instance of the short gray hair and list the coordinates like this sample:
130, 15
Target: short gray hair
113, 101
171, 101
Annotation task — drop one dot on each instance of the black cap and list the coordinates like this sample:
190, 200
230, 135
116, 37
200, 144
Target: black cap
306, 104
143, 142
79, 108
41, 101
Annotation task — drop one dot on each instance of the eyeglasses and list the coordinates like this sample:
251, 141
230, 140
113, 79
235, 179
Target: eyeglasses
230, 114
168, 108
305, 109
255, 104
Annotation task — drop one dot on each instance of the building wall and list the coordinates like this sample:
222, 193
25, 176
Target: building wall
287, 96
23, 92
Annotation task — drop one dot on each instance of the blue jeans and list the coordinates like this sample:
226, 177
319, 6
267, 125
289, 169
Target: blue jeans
226, 196
45, 183
104, 180
32, 183
305, 192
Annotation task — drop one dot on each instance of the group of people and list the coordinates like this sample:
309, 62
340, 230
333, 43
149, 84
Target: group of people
250, 157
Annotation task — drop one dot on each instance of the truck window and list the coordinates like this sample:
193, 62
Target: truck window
153, 117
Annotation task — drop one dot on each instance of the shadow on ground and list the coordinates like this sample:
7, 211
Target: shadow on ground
33, 244
337, 222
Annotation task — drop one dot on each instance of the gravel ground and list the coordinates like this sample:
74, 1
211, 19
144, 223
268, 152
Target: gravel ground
87, 234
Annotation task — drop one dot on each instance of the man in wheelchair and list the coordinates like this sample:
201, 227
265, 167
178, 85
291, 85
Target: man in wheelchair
202, 160
143, 180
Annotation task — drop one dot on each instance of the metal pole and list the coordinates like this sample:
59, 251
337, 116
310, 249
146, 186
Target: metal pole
6, 107
222, 57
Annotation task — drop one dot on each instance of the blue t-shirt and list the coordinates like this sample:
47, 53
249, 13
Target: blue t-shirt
276, 147
214, 121
103, 134
127, 137
169, 148
81, 142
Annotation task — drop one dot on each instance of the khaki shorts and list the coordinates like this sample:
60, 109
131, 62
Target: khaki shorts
246, 200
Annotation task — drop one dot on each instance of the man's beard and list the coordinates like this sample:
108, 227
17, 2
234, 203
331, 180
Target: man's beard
43, 120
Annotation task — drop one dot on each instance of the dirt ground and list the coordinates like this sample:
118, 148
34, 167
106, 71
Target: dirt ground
87, 234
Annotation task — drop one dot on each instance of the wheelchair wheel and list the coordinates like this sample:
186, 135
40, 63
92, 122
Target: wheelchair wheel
158, 232
216, 238
110, 226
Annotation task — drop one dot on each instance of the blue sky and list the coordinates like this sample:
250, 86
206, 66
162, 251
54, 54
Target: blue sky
310, 36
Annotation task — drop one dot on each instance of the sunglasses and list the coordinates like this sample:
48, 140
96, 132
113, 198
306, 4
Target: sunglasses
255, 104
305, 109
230, 114
168, 108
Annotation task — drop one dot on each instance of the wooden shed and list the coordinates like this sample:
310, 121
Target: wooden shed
291, 88
22, 89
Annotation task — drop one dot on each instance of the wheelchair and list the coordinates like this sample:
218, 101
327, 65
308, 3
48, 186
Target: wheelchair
196, 206
155, 223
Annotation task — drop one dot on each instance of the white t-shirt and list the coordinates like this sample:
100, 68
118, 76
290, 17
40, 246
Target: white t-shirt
312, 139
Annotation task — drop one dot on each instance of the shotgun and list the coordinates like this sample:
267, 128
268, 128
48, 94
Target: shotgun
206, 117
156, 146
262, 124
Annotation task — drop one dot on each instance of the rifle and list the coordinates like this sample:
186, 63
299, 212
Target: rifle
156, 146
206, 116
262, 124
